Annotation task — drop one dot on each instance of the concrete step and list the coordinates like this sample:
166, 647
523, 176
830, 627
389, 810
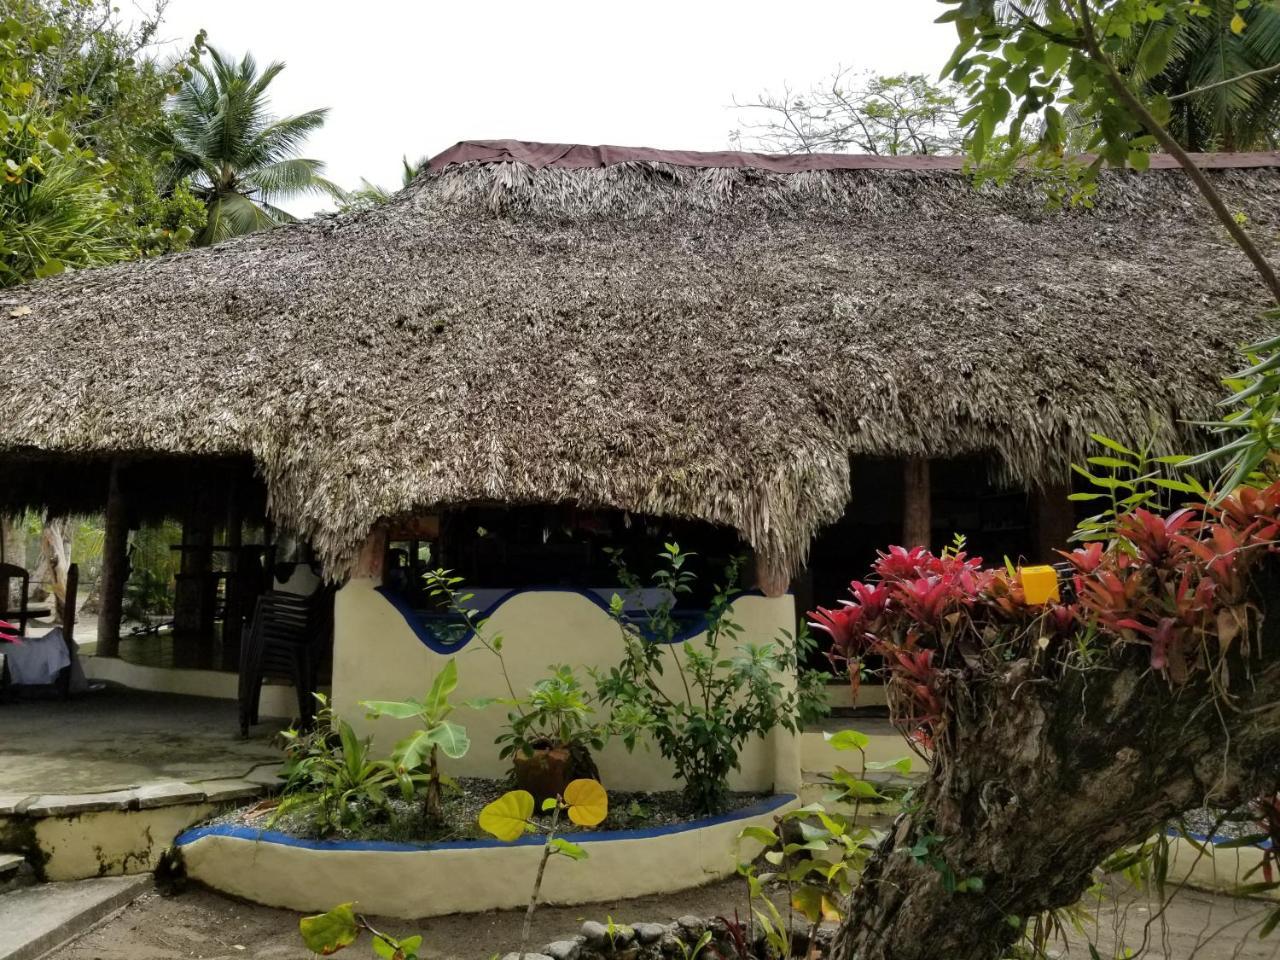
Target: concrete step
15, 872
35, 920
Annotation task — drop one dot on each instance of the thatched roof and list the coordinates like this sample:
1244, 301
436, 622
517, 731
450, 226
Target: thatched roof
656, 335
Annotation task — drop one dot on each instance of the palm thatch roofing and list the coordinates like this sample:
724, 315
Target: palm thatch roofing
703, 336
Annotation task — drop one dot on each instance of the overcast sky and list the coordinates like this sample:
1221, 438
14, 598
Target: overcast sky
404, 77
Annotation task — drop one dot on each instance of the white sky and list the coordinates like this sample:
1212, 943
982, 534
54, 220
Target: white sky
403, 77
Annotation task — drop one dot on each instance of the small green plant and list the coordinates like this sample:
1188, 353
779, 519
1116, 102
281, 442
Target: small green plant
1124, 480
816, 852
728, 691
327, 933
557, 713
510, 817
417, 757
331, 775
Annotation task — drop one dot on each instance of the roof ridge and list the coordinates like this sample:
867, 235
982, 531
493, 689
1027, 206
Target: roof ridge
576, 156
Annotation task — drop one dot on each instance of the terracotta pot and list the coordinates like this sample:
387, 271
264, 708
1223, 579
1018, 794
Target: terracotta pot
544, 774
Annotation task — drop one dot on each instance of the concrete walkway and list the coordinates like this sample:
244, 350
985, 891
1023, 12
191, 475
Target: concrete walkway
114, 739
37, 919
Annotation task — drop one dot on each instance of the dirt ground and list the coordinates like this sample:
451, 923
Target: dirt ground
204, 925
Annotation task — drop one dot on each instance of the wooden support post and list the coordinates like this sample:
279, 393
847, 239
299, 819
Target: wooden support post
115, 566
234, 606
772, 577
917, 512
1053, 520
373, 555
69, 605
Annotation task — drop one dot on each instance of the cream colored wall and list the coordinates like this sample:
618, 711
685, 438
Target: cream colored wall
112, 842
377, 656
412, 884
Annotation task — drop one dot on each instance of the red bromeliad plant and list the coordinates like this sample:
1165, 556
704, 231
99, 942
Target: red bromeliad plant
1176, 585
8, 632
1061, 732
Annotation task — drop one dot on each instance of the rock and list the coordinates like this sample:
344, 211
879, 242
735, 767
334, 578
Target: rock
671, 945
563, 950
595, 935
648, 933
692, 926
527, 956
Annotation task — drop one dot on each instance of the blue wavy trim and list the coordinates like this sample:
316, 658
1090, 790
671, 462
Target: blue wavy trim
1215, 840
421, 623
238, 832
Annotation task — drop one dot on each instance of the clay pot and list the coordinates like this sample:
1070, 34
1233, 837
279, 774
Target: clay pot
544, 774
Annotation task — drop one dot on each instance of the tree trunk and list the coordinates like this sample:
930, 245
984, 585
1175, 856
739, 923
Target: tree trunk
115, 567
917, 507
55, 558
1039, 779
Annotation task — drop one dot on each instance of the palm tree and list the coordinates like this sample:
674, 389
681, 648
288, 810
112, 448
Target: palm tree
241, 160
369, 194
1219, 99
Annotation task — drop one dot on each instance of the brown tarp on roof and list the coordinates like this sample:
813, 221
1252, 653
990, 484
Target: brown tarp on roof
577, 156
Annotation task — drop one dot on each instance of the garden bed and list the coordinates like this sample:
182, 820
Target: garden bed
404, 823
422, 879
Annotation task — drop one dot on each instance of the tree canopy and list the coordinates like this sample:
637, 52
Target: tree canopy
242, 161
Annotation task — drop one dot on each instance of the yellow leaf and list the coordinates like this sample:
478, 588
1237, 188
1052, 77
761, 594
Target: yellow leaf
588, 803
507, 816
1238, 24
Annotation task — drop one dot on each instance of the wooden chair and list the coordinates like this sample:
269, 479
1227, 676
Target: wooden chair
19, 616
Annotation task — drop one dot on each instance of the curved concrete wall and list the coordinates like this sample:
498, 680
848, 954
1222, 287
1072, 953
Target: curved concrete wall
412, 881
378, 656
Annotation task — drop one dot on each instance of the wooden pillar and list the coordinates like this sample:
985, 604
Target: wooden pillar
1053, 520
69, 606
373, 555
917, 512
195, 596
115, 566
772, 577
236, 588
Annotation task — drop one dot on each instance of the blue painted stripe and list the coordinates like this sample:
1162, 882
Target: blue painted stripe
239, 832
421, 622
1218, 839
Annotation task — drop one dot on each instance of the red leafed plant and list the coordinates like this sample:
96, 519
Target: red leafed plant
1171, 588
8, 632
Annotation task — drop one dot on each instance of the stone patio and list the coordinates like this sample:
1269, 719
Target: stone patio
115, 739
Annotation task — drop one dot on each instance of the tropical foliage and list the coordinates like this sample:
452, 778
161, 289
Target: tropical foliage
1220, 73
242, 162
728, 691
81, 136
416, 758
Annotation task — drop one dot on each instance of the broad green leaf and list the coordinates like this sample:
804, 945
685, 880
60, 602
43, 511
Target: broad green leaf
396, 709
507, 817
588, 802
760, 834
847, 740
567, 849
901, 765
327, 933
451, 738
445, 683
408, 947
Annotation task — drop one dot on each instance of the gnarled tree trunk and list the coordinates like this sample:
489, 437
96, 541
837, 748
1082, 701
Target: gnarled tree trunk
1038, 780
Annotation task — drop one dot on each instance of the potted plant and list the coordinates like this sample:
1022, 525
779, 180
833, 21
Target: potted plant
550, 735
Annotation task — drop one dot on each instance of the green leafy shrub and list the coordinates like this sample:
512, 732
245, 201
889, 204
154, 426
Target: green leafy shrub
416, 759
729, 691
331, 775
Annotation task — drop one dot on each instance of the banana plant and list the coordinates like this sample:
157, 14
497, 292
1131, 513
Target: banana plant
417, 757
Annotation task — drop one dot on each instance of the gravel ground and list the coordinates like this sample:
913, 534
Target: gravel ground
627, 811
200, 924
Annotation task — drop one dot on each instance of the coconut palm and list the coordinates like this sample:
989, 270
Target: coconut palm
1221, 72
241, 160
1220, 56
369, 194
